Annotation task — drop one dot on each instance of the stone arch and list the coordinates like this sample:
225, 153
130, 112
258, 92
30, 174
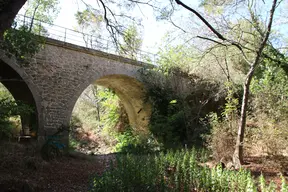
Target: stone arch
15, 79
131, 93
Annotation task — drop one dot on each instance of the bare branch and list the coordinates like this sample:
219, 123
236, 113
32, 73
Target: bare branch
209, 39
220, 36
177, 25
202, 19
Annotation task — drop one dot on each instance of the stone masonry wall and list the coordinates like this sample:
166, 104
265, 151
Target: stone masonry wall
60, 72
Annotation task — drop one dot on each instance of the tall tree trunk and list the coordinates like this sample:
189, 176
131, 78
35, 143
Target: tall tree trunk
8, 11
238, 153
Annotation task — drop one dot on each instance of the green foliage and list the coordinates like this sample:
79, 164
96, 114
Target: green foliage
87, 18
4, 93
284, 185
270, 92
44, 10
21, 43
221, 140
10, 108
89, 24
131, 42
99, 112
131, 143
269, 110
97, 107
173, 171
179, 102
23, 40
180, 56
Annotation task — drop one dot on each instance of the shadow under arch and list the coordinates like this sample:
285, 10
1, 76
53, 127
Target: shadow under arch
21, 91
132, 94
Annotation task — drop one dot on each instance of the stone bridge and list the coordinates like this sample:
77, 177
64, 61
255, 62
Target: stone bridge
57, 75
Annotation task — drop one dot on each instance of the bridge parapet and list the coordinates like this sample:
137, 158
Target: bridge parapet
81, 39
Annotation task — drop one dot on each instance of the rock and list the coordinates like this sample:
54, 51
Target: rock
230, 166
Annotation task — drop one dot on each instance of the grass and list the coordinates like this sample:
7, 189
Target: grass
175, 171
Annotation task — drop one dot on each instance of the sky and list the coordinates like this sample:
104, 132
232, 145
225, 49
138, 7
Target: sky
152, 32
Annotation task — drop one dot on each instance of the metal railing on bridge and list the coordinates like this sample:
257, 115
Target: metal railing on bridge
81, 39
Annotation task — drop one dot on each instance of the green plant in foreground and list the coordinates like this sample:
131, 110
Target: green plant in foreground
284, 186
174, 171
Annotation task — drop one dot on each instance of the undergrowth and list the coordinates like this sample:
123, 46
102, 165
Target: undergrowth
175, 171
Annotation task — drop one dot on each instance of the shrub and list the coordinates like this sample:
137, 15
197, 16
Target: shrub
266, 136
127, 142
10, 108
179, 102
268, 115
21, 42
222, 138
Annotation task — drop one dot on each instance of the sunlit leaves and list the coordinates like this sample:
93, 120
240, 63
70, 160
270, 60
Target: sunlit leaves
44, 10
89, 18
21, 43
218, 6
132, 42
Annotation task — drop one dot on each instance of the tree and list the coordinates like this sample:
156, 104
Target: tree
19, 40
37, 11
131, 42
115, 14
90, 25
44, 10
253, 63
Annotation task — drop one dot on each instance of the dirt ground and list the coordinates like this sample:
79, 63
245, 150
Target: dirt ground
271, 168
67, 174
22, 170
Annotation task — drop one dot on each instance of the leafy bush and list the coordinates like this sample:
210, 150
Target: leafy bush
9, 108
21, 42
130, 143
268, 117
222, 137
180, 100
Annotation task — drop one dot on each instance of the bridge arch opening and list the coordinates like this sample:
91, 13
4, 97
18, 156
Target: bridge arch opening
20, 91
133, 108
132, 94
